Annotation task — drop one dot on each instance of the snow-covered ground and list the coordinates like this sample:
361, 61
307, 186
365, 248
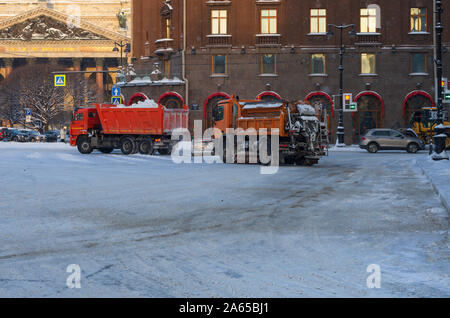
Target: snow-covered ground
142, 226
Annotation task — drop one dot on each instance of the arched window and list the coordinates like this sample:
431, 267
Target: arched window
268, 96
171, 100
370, 114
323, 101
210, 104
415, 101
136, 98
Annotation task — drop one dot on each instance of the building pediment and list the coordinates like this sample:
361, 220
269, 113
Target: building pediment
50, 25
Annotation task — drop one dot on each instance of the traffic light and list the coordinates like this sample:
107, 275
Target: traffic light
349, 105
444, 84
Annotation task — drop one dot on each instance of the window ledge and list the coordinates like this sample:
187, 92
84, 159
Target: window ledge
219, 75
218, 3
218, 36
317, 34
368, 74
268, 75
418, 74
268, 34
419, 33
368, 33
318, 75
268, 1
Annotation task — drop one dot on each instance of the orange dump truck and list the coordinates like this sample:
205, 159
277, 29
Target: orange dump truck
138, 128
303, 137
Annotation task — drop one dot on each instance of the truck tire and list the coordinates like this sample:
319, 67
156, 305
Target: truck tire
106, 150
146, 146
84, 145
164, 151
128, 145
300, 161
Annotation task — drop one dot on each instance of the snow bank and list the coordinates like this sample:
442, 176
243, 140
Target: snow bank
438, 172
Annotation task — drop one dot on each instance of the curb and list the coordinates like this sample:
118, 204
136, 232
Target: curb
439, 194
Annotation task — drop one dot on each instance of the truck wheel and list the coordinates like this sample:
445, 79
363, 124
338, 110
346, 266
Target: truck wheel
146, 147
127, 145
106, 150
163, 151
289, 160
84, 145
300, 161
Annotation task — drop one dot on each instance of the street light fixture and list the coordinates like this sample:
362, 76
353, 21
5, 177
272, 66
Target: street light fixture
122, 45
352, 33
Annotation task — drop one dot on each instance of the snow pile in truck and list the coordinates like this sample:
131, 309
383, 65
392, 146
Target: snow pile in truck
148, 103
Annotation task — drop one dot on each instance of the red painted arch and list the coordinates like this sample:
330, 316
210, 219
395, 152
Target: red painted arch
268, 93
376, 95
219, 94
140, 95
175, 94
319, 93
415, 93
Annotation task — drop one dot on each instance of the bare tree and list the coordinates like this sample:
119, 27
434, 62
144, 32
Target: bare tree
33, 87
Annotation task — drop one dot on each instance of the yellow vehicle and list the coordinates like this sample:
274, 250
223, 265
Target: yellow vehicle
423, 125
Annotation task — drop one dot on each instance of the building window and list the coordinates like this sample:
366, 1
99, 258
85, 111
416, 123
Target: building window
368, 63
418, 19
418, 63
318, 21
269, 64
168, 27
318, 64
219, 64
369, 20
269, 21
219, 22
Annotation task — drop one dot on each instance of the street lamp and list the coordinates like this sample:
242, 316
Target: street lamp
341, 28
122, 45
440, 136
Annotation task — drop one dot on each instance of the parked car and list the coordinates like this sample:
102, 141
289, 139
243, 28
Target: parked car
17, 135
35, 136
389, 139
3, 133
52, 135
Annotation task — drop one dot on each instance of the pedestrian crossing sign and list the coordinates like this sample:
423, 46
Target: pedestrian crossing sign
60, 80
116, 100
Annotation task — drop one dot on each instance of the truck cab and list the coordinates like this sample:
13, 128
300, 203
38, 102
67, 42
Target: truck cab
84, 120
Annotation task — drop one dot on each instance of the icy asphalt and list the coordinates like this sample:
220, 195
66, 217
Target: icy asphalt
143, 226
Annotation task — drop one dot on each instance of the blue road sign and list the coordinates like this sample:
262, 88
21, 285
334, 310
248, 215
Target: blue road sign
60, 80
116, 91
27, 112
116, 100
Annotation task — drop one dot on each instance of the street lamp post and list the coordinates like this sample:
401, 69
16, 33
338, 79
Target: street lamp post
122, 45
341, 28
440, 136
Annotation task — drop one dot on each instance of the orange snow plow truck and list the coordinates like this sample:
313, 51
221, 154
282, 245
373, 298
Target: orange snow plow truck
141, 128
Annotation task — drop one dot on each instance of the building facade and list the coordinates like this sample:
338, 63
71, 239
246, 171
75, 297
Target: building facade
75, 35
200, 51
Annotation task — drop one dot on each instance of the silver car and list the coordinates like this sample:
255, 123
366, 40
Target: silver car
389, 139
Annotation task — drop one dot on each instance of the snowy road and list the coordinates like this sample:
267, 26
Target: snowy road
145, 227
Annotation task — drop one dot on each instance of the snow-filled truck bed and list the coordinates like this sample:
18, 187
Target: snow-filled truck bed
143, 128
141, 121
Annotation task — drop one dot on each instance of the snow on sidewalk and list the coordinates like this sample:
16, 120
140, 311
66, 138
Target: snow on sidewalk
438, 172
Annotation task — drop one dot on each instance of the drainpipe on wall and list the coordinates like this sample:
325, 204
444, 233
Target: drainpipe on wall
186, 81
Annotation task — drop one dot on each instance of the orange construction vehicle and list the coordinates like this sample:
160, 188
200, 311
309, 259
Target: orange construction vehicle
132, 129
302, 136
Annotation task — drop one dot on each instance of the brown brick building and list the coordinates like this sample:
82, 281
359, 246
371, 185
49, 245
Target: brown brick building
199, 51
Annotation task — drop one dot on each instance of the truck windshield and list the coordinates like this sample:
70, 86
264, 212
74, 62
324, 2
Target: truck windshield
78, 117
218, 113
